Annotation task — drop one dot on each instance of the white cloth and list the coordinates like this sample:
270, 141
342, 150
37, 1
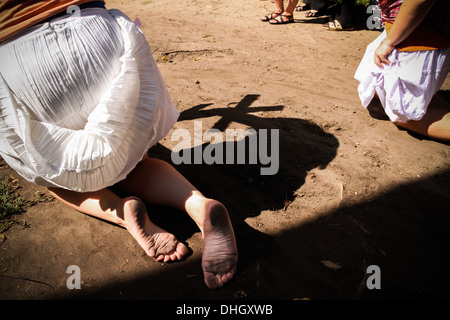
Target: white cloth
81, 101
405, 87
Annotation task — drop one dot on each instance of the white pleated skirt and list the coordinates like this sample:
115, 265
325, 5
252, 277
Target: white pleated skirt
405, 87
81, 101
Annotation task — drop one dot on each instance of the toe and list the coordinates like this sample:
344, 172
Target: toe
214, 281
210, 280
182, 249
172, 257
219, 281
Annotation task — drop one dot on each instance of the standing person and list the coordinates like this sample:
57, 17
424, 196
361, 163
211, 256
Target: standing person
81, 102
408, 63
281, 15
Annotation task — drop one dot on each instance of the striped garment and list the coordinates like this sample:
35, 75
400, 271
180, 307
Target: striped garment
389, 9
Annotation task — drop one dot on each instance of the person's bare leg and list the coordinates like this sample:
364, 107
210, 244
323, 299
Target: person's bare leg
129, 213
286, 13
436, 122
279, 5
159, 183
279, 9
291, 7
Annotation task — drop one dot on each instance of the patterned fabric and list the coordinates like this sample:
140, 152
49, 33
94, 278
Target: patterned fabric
18, 15
389, 9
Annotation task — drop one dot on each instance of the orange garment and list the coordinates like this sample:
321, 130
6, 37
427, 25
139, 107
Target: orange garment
422, 38
16, 15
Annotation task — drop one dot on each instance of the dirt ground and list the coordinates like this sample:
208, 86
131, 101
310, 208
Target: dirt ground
351, 191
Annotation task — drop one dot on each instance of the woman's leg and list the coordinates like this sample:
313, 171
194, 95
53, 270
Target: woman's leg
287, 15
279, 5
291, 7
435, 124
129, 213
279, 9
157, 182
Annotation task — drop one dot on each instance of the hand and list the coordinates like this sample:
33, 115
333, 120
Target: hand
382, 53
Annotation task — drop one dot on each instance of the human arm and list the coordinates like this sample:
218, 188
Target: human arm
410, 15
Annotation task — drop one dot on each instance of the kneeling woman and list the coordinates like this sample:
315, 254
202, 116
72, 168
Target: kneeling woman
407, 65
81, 102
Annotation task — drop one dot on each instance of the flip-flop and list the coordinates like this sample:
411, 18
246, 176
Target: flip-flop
329, 26
336, 26
311, 14
302, 8
271, 16
281, 20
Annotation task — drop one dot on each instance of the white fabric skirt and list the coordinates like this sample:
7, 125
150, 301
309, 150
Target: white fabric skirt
405, 87
81, 101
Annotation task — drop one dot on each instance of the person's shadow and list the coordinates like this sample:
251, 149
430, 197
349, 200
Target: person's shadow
240, 187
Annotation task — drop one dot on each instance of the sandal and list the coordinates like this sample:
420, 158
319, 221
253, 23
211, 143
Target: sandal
313, 14
271, 16
290, 19
336, 26
302, 8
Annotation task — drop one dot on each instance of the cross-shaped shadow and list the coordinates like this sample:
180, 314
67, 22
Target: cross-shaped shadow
288, 265
303, 146
241, 111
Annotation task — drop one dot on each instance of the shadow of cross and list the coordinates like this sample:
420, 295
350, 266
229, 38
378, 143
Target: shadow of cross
300, 146
239, 113
244, 191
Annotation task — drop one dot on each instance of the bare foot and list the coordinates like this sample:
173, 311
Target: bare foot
156, 242
219, 251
